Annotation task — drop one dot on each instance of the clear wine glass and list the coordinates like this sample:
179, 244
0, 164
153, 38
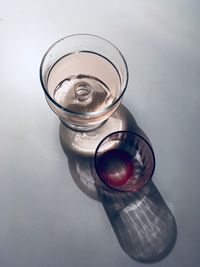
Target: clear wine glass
84, 78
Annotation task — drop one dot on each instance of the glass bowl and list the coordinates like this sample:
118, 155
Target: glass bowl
84, 78
124, 161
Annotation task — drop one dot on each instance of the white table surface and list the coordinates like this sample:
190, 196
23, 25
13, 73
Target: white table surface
45, 219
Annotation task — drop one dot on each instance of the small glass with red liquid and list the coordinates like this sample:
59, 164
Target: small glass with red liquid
124, 161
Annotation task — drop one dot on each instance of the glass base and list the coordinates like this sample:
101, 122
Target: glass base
78, 128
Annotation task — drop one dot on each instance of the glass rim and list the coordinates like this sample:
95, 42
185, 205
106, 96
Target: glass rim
76, 112
128, 132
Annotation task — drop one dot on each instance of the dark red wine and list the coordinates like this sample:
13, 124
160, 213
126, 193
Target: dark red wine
115, 167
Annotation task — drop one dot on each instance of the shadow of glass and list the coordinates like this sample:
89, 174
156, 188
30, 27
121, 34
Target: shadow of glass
85, 143
79, 147
144, 225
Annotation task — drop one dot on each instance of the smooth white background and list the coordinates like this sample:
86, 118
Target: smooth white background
45, 220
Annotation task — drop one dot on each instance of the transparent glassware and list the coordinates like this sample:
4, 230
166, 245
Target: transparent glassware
84, 78
124, 161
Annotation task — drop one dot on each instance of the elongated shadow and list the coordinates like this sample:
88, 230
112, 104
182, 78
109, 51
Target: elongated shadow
144, 225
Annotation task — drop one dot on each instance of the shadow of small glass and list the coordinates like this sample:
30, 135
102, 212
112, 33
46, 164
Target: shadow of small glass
144, 225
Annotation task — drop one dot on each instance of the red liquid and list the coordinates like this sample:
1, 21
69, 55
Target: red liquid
115, 167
